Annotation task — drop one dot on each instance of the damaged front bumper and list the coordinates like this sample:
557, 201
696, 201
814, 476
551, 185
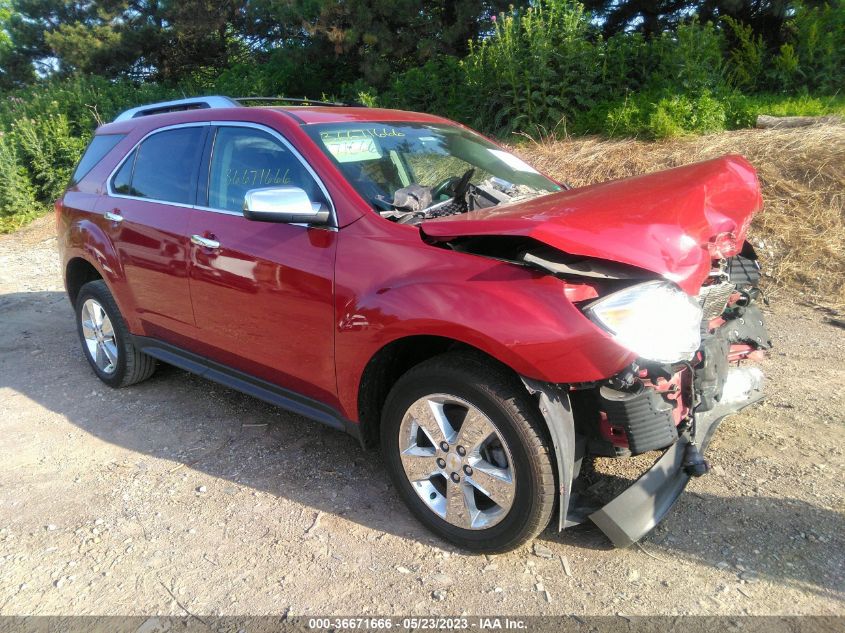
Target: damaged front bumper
637, 510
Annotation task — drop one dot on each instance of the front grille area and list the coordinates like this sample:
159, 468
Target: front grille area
644, 414
744, 271
714, 298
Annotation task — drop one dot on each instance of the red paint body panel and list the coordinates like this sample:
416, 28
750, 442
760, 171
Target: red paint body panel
264, 301
308, 308
661, 222
390, 285
152, 247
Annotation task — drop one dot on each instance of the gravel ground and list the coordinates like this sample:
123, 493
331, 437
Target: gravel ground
179, 495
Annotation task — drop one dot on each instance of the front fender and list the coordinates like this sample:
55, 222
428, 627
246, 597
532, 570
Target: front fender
518, 316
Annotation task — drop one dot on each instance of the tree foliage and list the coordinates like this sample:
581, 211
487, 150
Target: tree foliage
170, 40
142, 39
542, 69
313, 47
651, 17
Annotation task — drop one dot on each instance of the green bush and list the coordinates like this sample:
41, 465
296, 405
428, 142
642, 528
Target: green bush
536, 70
45, 129
741, 111
17, 196
680, 114
688, 61
85, 101
811, 59
746, 56
437, 86
50, 151
543, 70
657, 116
819, 48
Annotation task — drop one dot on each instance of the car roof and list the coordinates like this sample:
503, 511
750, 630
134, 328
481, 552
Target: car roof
344, 114
304, 115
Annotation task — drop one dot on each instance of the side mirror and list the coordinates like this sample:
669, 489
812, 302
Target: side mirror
283, 204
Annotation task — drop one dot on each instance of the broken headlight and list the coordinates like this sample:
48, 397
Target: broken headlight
656, 320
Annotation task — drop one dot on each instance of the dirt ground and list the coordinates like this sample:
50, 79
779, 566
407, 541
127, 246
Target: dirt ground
179, 495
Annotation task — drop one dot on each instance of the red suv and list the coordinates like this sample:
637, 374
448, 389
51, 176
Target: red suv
402, 278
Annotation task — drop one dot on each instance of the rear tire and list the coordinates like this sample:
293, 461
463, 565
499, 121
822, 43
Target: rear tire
494, 488
105, 338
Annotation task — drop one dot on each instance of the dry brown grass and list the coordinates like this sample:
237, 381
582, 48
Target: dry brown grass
800, 235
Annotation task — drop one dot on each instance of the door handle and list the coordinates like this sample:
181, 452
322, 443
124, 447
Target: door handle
113, 217
199, 240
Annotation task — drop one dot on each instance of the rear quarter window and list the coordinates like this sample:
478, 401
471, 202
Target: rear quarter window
99, 146
122, 181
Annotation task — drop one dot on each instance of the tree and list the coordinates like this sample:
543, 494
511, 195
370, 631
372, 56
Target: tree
651, 17
370, 38
159, 39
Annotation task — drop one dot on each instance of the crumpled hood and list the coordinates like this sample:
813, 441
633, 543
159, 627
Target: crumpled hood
661, 222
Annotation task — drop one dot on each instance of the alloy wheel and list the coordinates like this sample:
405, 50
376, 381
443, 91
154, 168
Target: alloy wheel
457, 461
98, 332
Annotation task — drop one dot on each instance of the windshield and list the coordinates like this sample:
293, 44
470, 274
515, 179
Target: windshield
411, 167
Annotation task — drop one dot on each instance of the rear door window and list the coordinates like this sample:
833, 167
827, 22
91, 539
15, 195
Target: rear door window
97, 149
165, 167
245, 158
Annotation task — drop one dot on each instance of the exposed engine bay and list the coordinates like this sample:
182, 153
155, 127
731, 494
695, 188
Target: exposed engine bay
673, 408
669, 409
658, 264
648, 406
415, 203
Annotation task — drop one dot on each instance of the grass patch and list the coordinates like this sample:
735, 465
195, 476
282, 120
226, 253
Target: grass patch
662, 115
12, 223
803, 105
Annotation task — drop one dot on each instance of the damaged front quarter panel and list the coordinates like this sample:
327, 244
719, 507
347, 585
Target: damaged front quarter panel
669, 226
554, 405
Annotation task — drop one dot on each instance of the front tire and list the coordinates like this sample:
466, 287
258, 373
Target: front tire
105, 338
467, 451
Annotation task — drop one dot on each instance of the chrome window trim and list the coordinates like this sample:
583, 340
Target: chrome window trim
248, 124
220, 211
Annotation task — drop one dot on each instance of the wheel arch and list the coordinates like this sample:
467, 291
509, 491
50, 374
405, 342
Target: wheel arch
87, 246
81, 268
393, 360
552, 404
78, 272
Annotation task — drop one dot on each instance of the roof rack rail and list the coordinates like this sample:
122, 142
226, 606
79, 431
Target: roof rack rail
216, 101
177, 105
297, 101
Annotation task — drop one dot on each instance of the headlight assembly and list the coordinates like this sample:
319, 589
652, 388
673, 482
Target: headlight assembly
656, 320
